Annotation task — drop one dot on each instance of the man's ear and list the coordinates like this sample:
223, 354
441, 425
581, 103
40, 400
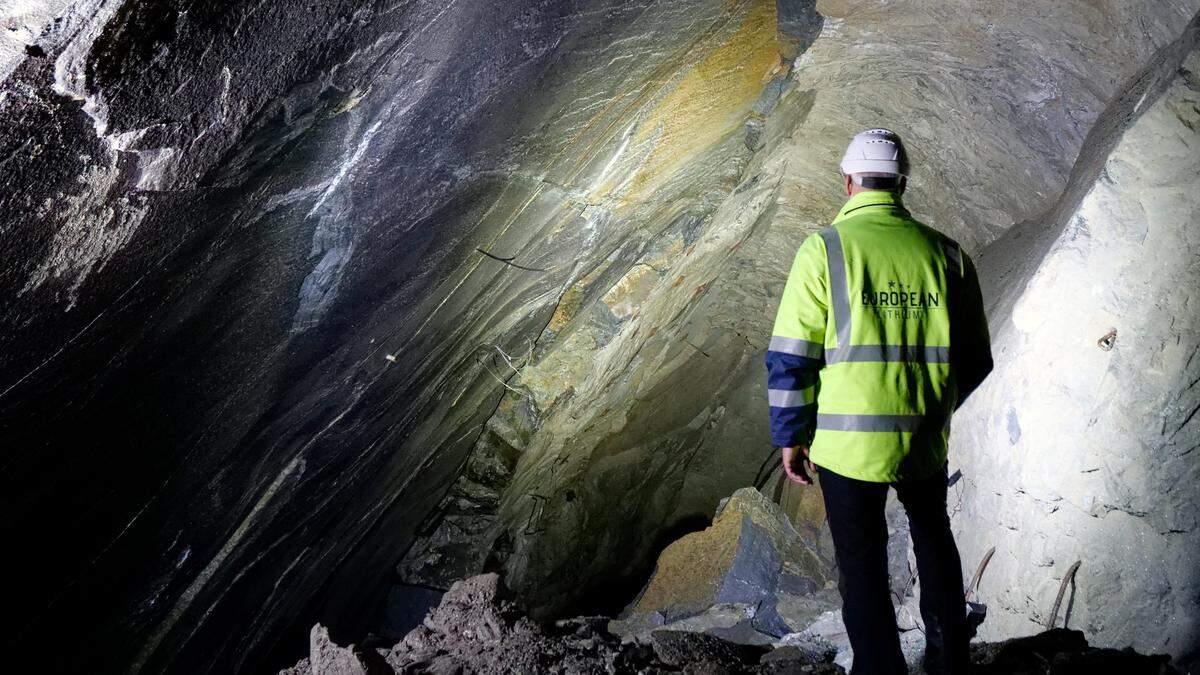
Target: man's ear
903, 184
847, 182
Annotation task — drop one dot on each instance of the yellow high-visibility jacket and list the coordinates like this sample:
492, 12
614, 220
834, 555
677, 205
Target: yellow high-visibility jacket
880, 334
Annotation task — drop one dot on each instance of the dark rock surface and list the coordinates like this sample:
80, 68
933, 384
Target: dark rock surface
1061, 651
247, 338
405, 608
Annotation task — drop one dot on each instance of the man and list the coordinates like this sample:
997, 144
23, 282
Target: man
880, 335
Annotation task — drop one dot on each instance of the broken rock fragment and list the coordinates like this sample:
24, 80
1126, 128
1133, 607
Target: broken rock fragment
748, 573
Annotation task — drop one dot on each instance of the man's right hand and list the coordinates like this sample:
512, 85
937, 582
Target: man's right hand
797, 465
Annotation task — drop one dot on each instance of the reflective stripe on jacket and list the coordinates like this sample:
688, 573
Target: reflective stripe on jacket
880, 326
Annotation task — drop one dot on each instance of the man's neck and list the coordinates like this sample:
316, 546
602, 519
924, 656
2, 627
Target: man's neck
855, 189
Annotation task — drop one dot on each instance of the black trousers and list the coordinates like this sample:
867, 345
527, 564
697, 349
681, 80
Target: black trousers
856, 521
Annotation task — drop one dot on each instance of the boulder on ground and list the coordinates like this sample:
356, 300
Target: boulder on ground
327, 658
750, 565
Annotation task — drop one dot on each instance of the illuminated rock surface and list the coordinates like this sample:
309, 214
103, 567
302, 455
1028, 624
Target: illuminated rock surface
1071, 451
307, 301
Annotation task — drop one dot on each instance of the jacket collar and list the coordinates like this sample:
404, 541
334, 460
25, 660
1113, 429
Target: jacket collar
866, 199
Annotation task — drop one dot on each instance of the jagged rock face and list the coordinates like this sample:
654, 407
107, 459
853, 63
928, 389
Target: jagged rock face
749, 576
1082, 445
251, 338
253, 351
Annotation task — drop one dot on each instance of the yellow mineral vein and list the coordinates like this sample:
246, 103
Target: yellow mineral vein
651, 86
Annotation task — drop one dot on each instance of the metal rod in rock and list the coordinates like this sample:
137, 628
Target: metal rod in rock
979, 572
1062, 588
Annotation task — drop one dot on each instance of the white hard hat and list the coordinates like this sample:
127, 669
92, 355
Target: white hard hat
875, 150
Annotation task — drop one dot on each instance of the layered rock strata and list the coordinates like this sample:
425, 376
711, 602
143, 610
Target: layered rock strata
300, 293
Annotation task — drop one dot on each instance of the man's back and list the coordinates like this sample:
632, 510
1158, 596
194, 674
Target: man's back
891, 303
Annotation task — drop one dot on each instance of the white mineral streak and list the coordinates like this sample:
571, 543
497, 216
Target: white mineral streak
616, 155
347, 165
25, 22
92, 228
334, 237
70, 69
290, 473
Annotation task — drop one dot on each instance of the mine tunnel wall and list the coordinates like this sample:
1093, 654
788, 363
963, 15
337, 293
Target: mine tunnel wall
255, 345
1078, 450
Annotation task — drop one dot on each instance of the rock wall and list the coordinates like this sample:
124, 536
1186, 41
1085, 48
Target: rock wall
257, 310
293, 285
1081, 446
250, 332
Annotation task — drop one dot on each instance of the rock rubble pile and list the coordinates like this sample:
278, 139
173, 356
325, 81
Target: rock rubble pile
476, 629
745, 595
